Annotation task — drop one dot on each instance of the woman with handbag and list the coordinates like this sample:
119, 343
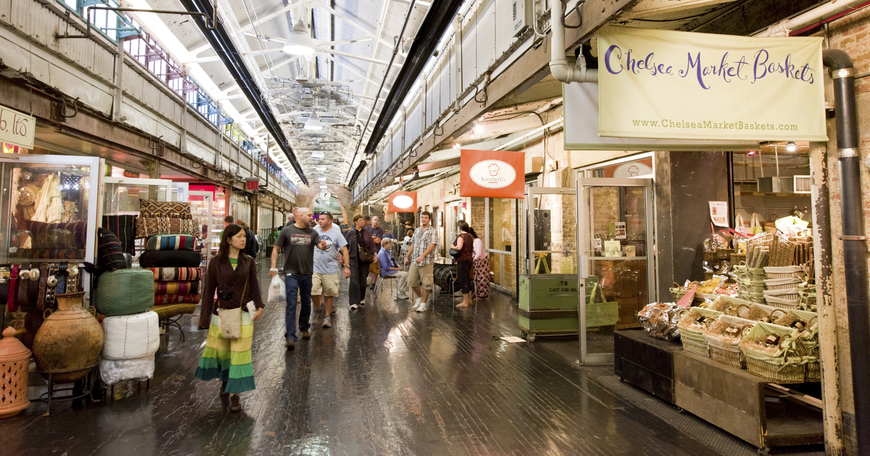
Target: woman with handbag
464, 255
481, 268
232, 278
361, 253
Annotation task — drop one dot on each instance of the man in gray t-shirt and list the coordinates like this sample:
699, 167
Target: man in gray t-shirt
325, 280
298, 242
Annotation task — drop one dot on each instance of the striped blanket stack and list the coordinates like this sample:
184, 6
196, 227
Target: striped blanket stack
176, 285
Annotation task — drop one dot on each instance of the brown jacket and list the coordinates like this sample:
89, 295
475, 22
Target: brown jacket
223, 277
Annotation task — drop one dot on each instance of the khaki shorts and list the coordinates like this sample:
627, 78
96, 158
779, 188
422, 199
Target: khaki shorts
324, 284
418, 275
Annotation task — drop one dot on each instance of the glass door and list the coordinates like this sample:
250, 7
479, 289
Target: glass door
552, 240
202, 209
616, 251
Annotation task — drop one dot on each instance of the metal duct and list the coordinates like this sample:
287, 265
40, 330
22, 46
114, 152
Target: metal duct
220, 40
437, 20
854, 241
356, 173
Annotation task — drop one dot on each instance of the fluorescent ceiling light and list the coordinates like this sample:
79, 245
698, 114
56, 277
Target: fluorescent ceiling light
299, 42
313, 123
320, 168
322, 179
317, 154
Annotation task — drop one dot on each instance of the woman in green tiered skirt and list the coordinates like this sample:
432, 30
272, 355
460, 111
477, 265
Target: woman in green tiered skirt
233, 275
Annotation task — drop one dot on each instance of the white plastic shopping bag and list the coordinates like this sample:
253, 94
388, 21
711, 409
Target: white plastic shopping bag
277, 291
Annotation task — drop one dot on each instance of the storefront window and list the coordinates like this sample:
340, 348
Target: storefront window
501, 234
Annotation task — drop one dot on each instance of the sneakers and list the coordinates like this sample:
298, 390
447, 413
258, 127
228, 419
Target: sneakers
417, 303
422, 307
327, 324
402, 297
235, 403
290, 344
354, 306
306, 335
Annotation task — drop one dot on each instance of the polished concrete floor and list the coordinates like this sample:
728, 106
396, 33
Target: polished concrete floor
382, 381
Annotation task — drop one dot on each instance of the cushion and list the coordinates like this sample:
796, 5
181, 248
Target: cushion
171, 209
176, 299
170, 310
131, 336
63, 236
125, 292
149, 226
170, 258
176, 288
173, 274
171, 242
110, 254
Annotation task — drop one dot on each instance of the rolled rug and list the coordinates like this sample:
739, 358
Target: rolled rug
176, 299
170, 258
176, 288
171, 242
176, 274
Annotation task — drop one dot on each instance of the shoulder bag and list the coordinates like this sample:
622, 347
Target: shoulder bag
363, 253
230, 320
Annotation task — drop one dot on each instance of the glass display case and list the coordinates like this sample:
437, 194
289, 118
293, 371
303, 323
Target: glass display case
201, 208
120, 205
52, 210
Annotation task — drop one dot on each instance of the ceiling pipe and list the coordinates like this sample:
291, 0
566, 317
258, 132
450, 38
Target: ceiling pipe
784, 28
437, 20
558, 63
233, 60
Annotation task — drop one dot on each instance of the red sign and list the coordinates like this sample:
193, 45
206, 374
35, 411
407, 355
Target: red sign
492, 174
252, 184
403, 202
130, 174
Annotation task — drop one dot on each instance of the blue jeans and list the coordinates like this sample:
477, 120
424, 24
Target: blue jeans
294, 283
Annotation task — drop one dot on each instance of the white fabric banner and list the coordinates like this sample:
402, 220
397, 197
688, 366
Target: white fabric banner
664, 84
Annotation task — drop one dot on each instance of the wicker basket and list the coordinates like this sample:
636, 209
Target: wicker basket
785, 365
787, 304
693, 339
776, 373
814, 371
678, 292
782, 284
724, 348
724, 254
783, 272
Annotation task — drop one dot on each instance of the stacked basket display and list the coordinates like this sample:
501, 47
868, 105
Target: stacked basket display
693, 325
782, 286
723, 338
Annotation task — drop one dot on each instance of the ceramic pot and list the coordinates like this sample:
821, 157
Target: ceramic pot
69, 341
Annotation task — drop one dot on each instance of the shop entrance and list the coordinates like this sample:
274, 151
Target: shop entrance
616, 255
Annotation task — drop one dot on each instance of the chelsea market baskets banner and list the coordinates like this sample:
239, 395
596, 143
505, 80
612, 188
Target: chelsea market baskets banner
663, 84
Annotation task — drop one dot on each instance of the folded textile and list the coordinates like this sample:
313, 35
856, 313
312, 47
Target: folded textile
124, 226
170, 258
110, 256
147, 227
176, 288
176, 299
176, 274
173, 209
171, 242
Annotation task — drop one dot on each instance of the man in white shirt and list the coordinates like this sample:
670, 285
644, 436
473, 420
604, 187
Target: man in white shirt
324, 282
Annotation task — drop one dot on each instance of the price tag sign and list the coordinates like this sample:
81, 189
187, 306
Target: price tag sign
17, 128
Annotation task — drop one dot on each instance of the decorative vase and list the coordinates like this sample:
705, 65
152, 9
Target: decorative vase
14, 364
69, 341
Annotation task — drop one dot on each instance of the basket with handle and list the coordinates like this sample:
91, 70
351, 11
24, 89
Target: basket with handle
693, 325
723, 337
781, 362
783, 272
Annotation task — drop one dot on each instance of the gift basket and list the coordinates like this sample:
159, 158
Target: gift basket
807, 325
759, 312
775, 353
723, 337
660, 320
693, 324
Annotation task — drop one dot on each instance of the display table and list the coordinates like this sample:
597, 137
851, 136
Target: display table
745, 405
645, 362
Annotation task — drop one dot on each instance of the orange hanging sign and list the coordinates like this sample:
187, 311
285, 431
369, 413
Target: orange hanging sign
403, 202
492, 174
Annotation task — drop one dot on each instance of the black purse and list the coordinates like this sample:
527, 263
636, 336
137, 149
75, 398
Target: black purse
454, 253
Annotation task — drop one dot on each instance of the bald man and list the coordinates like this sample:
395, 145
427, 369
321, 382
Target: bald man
298, 242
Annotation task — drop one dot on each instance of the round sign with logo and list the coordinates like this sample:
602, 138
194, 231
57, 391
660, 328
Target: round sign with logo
493, 174
403, 201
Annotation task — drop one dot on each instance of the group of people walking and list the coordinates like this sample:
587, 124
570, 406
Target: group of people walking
314, 259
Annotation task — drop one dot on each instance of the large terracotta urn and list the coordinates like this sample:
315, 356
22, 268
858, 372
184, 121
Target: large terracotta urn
69, 341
